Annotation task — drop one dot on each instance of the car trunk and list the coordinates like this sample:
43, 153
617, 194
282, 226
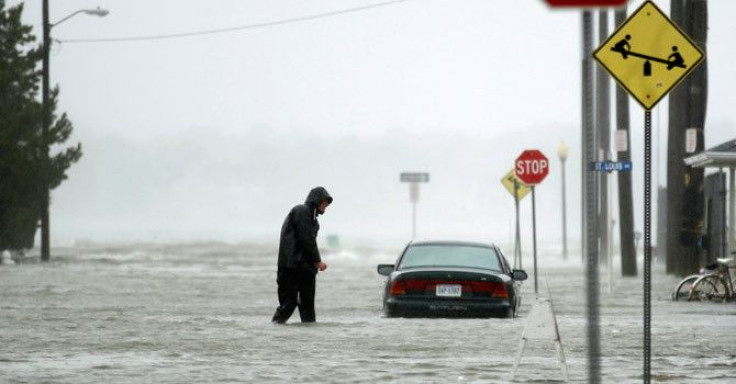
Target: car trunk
450, 284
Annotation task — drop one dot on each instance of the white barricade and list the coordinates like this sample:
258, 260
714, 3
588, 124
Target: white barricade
541, 324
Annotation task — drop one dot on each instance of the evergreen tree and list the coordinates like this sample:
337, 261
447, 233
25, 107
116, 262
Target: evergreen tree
26, 168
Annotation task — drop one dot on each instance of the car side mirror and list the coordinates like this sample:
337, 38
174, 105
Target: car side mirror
519, 275
385, 269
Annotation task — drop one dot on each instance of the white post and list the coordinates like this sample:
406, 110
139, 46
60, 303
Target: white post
414, 196
413, 220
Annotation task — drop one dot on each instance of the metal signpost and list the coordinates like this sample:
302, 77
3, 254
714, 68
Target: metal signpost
589, 201
414, 178
532, 167
610, 166
648, 55
518, 190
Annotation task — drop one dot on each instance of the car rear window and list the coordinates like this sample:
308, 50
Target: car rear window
450, 256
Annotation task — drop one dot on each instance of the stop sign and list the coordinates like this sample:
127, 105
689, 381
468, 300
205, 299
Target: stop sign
531, 167
586, 3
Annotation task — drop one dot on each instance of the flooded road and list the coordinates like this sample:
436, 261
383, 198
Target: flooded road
201, 313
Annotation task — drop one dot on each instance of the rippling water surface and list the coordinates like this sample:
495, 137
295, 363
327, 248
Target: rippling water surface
201, 313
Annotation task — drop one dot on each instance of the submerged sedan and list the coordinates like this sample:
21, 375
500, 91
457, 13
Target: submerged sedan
451, 279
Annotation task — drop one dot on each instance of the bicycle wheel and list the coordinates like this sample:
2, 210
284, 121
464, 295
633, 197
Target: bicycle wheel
682, 292
709, 288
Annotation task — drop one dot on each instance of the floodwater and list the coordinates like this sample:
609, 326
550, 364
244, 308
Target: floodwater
201, 313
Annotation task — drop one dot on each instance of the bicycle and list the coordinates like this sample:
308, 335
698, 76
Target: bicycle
713, 283
682, 291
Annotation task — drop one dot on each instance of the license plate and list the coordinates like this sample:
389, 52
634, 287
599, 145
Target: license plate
449, 290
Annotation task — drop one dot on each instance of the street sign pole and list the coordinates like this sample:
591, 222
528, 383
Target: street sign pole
647, 245
518, 190
517, 246
414, 178
531, 167
534, 241
648, 55
590, 205
413, 220
610, 166
414, 195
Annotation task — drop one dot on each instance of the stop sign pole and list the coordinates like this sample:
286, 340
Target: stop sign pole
532, 167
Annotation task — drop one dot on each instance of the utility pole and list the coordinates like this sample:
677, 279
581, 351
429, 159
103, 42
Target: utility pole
694, 196
590, 205
685, 205
46, 122
678, 107
45, 225
625, 192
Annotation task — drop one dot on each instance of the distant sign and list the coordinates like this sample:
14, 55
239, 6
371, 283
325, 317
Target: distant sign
531, 166
622, 140
521, 188
691, 140
610, 166
648, 55
414, 177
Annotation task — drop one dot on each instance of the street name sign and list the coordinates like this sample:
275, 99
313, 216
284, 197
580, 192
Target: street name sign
521, 188
531, 167
414, 177
586, 3
648, 55
610, 166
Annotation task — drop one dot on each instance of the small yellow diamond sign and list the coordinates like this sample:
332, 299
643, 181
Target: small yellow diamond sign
648, 55
521, 188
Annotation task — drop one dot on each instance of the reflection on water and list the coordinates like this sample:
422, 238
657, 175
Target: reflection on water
200, 313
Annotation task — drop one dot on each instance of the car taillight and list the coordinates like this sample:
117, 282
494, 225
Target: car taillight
397, 287
402, 287
492, 289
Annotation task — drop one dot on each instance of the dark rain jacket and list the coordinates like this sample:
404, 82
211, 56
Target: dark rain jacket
298, 244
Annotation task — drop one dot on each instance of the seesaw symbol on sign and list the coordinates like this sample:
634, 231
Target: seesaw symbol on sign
674, 60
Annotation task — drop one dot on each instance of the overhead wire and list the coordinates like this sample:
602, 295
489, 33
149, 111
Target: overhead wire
230, 29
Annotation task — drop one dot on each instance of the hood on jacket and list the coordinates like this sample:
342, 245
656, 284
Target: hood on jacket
316, 195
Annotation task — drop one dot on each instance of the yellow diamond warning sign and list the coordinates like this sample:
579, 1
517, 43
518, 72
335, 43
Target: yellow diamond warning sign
648, 55
510, 179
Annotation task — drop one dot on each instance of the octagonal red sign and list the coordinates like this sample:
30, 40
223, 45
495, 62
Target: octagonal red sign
586, 3
531, 167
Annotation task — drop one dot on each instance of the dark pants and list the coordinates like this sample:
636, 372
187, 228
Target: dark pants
296, 289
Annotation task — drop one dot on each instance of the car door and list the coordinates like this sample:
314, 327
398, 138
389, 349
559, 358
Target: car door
515, 285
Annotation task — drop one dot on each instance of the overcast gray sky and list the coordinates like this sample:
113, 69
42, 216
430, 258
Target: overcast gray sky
217, 136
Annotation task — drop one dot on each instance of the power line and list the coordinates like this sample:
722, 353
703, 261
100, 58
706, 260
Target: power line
230, 29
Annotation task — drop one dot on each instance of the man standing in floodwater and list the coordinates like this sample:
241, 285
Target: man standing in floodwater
299, 258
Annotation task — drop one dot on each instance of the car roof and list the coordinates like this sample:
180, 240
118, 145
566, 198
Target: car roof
452, 242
